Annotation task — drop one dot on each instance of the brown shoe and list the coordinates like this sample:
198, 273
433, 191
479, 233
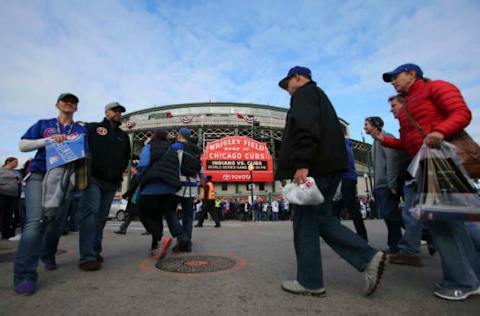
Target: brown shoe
90, 266
399, 258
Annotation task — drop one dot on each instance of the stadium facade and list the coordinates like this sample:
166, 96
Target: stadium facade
212, 121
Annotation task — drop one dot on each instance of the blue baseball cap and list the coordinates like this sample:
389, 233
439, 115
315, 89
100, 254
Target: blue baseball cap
387, 77
185, 132
297, 70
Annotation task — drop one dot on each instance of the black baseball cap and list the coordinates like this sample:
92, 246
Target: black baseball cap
66, 95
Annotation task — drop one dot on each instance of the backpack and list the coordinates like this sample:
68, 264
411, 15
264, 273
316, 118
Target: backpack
191, 163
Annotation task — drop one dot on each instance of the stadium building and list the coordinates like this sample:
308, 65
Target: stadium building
211, 121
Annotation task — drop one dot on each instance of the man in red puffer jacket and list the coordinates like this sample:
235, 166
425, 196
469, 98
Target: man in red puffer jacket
440, 110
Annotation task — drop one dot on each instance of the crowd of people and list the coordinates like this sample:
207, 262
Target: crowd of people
260, 210
167, 176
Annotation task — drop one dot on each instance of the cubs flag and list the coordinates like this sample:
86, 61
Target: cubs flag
59, 154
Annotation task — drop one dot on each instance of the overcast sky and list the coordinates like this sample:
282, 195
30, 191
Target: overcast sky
146, 53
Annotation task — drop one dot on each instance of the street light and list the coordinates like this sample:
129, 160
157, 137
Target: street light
251, 167
365, 176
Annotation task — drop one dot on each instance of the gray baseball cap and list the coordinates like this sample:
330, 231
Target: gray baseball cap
113, 105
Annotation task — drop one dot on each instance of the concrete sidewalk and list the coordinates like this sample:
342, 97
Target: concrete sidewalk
129, 284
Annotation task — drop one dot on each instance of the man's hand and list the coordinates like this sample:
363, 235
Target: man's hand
434, 139
378, 135
58, 138
394, 191
300, 176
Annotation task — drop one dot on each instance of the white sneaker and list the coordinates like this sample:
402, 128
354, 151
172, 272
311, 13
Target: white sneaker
455, 295
374, 272
296, 288
17, 237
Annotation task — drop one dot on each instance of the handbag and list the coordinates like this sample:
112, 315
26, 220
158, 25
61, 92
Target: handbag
303, 194
466, 148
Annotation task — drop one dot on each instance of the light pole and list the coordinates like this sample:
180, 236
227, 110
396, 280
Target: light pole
251, 167
365, 176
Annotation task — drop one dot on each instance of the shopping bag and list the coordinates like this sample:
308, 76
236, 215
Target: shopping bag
444, 189
303, 194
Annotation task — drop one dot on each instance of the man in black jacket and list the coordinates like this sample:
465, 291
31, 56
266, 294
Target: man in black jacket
313, 145
109, 148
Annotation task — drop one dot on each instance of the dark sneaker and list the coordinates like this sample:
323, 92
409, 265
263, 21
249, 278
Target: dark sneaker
198, 225
390, 251
217, 226
100, 258
180, 247
296, 288
90, 266
374, 272
431, 250
399, 258
145, 233
120, 232
50, 264
25, 288
455, 295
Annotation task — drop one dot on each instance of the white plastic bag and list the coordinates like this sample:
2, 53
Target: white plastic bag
303, 194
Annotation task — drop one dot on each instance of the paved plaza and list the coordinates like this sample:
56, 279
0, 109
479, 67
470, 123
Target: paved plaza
263, 255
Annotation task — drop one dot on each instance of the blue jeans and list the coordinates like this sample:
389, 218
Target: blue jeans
388, 204
460, 260
412, 237
274, 216
187, 218
474, 230
93, 213
313, 221
258, 215
40, 235
52, 235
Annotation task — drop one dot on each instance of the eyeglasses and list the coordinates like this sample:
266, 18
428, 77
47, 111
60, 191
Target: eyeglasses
70, 101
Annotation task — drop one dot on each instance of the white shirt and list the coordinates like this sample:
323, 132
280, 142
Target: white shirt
275, 207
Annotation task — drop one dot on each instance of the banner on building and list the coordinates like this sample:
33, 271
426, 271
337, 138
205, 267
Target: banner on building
227, 160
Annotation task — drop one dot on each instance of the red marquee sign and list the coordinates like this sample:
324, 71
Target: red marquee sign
227, 160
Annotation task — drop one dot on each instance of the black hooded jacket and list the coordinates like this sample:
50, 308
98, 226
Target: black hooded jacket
312, 137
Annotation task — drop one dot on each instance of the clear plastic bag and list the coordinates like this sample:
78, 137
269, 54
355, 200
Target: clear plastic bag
444, 189
303, 194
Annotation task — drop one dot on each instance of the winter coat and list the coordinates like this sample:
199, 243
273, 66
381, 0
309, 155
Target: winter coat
312, 137
437, 106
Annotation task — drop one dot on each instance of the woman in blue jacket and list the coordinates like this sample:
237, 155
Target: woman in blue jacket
158, 171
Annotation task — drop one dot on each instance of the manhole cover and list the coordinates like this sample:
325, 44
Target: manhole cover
10, 256
196, 264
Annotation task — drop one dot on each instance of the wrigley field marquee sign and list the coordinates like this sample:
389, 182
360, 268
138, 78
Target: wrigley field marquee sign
227, 160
